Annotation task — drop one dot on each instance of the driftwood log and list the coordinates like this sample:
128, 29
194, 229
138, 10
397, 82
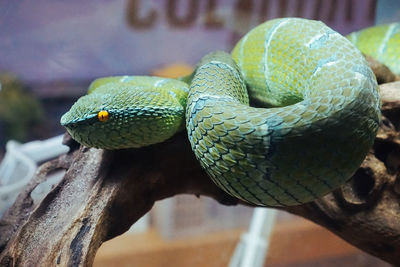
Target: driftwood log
104, 192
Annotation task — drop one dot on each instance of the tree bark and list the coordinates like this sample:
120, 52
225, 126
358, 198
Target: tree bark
104, 192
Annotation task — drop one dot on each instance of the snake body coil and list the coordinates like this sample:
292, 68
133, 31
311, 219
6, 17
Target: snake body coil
322, 116
380, 42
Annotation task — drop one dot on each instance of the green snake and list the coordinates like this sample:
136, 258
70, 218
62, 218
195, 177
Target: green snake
380, 42
320, 112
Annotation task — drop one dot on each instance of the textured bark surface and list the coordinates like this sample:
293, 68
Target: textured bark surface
103, 192
381, 71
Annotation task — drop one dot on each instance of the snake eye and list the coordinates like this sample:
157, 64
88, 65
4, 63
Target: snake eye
103, 116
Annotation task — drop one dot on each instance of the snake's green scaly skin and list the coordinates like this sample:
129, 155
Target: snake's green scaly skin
143, 111
323, 115
380, 42
292, 154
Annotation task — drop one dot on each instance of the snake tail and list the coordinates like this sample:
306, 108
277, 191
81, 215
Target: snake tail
381, 42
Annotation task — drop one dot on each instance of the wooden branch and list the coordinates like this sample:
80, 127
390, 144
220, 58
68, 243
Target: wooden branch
103, 192
381, 71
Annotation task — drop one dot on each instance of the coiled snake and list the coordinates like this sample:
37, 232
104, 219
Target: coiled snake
320, 117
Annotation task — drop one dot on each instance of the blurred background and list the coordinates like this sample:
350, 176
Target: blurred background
51, 50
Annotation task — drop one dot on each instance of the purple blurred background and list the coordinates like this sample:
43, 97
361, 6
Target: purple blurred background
48, 40
57, 47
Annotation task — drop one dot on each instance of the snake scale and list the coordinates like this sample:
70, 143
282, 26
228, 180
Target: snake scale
319, 116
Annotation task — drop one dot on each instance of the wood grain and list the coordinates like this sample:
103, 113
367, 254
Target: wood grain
104, 192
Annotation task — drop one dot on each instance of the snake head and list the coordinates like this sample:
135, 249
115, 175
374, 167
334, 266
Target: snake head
123, 115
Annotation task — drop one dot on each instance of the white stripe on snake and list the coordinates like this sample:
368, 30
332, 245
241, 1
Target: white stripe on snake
320, 114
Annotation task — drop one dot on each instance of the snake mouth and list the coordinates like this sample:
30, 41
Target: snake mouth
82, 129
75, 122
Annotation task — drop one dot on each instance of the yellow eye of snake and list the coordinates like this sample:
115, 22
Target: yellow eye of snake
103, 116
